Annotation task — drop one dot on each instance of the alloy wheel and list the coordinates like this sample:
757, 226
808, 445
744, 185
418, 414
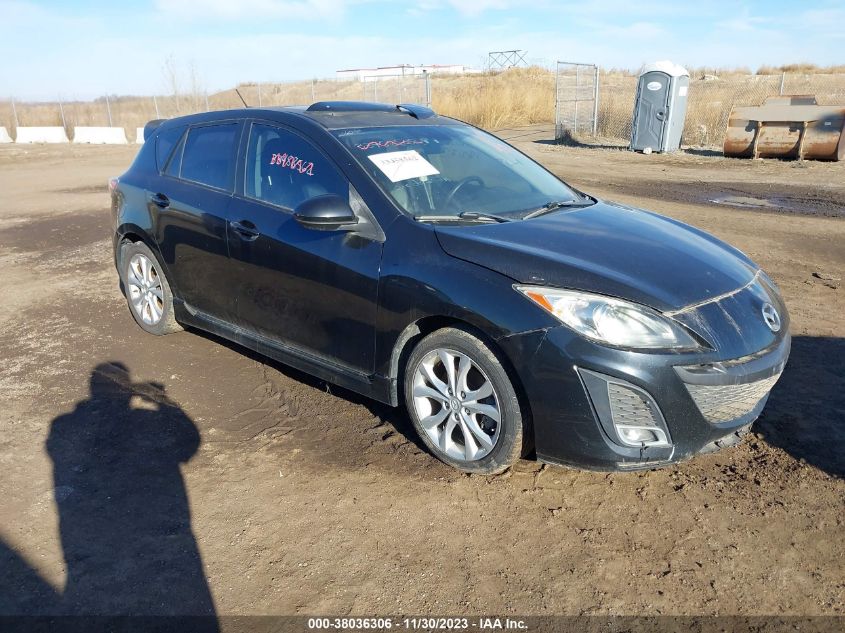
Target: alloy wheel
456, 404
145, 291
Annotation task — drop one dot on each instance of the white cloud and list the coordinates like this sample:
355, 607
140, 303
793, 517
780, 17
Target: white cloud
474, 8
468, 8
254, 9
744, 22
19, 14
825, 21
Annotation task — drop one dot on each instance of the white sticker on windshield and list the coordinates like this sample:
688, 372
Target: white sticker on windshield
403, 165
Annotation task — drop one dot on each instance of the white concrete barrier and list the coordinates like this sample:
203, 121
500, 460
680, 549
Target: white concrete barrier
139, 136
41, 135
100, 135
4, 135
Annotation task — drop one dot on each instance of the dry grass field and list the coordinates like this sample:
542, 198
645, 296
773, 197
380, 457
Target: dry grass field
519, 96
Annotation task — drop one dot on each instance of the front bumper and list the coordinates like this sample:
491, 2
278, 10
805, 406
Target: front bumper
692, 404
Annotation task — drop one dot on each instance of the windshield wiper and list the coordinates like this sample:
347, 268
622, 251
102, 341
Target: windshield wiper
554, 205
476, 215
464, 215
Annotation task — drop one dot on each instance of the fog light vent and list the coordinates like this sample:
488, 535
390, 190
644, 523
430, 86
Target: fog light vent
629, 407
634, 416
628, 414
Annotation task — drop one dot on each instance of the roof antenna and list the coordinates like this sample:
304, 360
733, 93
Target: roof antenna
241, 97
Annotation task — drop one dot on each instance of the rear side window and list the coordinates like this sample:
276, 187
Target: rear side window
284, 169
208, 155
165, 142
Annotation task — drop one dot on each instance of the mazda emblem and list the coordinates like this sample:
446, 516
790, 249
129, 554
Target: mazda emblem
771, 317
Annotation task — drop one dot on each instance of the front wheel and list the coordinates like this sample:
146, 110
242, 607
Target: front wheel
463, 404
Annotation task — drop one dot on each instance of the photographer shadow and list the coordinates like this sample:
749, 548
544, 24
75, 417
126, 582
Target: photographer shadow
124, 516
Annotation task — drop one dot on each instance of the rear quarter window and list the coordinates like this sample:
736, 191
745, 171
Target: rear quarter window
166, 140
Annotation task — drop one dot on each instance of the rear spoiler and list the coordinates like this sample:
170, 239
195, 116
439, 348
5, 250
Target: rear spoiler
151, 127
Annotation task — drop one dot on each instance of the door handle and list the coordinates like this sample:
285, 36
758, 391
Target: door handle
160, 200
245, 229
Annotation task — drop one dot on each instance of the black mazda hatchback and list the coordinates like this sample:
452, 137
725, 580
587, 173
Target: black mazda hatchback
416, 259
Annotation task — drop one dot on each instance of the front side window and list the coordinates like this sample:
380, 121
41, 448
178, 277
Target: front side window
284, 169
208, 155
444, 170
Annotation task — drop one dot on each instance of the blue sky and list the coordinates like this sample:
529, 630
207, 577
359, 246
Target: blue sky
86, 49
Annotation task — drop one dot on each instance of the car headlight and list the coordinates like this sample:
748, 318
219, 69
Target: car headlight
611, 321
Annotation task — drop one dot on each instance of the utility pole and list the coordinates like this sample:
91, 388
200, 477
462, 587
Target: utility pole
62, 112
557, 102
596, 103
14, 112
155, 103
259, 94
108, 110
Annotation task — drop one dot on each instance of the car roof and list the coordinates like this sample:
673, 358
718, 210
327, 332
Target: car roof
331, 115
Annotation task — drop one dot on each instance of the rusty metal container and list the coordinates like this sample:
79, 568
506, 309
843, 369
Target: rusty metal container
787, 127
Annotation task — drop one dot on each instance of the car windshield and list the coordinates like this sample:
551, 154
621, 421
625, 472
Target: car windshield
443, 171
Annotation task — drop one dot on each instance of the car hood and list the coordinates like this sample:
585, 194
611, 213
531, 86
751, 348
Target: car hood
609, 249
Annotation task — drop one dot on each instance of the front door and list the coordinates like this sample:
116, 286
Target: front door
652, 111
313, 291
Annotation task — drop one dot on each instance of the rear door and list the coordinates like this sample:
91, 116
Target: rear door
309, 290
191, 201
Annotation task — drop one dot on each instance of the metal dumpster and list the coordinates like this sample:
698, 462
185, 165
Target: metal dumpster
787, 127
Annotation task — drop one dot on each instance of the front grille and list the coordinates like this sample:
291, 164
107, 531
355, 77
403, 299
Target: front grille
724, 403
629, 407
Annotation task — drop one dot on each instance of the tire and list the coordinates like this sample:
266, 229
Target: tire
147, 290
445, 409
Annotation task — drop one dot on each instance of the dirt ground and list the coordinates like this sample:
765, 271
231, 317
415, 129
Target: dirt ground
185, 475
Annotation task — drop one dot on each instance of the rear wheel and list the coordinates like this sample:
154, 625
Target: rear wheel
147, 290
462, 403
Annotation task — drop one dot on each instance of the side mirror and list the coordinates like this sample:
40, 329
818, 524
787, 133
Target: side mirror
328, 212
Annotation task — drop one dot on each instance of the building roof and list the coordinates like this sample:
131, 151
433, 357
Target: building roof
349, 70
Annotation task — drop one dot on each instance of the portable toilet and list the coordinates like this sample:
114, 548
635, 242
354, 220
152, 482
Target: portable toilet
660, 108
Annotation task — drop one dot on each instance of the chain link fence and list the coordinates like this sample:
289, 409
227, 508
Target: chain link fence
709, 105
576, 99
133, 112
397, 88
